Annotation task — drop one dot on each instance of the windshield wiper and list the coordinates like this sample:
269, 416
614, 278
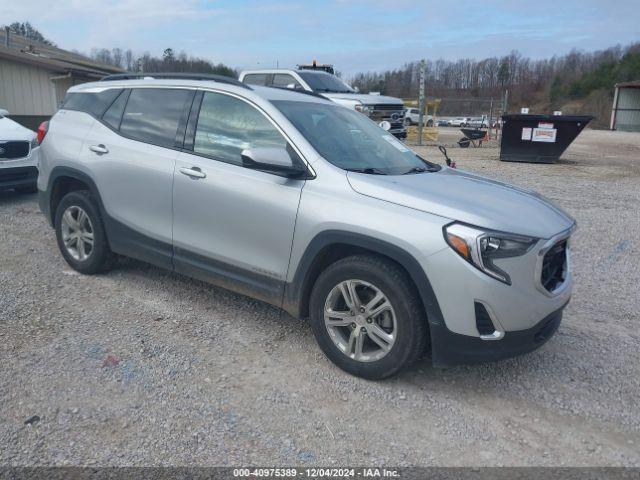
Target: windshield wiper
415, 170
420, 170
331, 90
368, 170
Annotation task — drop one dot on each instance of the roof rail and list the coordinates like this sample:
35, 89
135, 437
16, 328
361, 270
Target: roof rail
180, 76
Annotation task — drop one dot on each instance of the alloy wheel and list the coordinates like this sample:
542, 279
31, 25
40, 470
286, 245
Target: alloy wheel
77, 233
360, 320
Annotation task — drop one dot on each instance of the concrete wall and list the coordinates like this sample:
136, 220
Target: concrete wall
26, 90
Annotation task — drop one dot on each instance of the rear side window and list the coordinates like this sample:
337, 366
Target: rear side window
284, 80
152, 115
94, 103
113, 115
226, 126
255, 79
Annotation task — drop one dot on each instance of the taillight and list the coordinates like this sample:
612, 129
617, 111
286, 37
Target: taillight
42, 131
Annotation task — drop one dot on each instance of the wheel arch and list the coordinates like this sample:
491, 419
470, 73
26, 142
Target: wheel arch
63, 180
330, 246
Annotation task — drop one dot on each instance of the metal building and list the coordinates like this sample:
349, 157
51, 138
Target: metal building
35, 77
625, 114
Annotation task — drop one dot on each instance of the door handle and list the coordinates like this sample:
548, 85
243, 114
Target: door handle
100, 149
193, 172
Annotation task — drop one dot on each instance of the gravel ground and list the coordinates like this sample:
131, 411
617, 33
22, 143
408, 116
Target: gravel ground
144, 367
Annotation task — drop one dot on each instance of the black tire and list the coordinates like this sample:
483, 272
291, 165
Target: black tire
464, 142
430, 123
408, 122
100, 259
29, 189
393, 281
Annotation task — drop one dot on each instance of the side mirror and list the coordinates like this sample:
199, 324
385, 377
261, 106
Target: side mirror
272, 160
3, 112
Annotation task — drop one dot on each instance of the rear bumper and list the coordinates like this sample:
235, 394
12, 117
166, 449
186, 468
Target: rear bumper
18, 177
450, 348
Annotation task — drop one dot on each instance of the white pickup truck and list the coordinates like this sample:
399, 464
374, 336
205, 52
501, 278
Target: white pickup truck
379, 108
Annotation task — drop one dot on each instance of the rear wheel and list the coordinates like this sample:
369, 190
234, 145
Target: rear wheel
81, 236
367, 317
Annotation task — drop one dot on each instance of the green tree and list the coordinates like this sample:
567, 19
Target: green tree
27, 30
503, 73
168, 55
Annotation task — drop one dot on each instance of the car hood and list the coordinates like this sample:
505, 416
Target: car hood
365, 98
468, 198
10, 130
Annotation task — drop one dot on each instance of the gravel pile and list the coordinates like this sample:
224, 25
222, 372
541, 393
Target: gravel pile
144, 367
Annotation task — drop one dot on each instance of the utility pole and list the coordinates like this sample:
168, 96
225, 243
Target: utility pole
423, 67
490, 121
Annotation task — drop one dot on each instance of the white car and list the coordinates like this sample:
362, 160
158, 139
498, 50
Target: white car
460, 122
18, 156
412, 117
479, 122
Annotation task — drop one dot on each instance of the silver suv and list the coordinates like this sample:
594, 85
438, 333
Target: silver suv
294, 200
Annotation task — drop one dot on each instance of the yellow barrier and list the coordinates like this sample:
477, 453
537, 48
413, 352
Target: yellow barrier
429, 134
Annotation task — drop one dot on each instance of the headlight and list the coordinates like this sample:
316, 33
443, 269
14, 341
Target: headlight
481, 247
366, 109
34, 143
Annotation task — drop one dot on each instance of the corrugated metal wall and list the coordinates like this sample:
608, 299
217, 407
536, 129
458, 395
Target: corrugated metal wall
628, 111
26, 90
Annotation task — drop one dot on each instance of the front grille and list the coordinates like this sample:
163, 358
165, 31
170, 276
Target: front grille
390, 112
388, 106
483, 320
554, 266
12, 150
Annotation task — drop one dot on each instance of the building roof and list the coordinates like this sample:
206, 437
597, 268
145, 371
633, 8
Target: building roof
634, 84
25, 50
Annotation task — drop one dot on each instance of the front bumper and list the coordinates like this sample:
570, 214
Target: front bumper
450, 348
399, 133
18, 177
19, 172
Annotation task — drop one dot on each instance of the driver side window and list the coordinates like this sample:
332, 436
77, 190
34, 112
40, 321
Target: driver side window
227, 125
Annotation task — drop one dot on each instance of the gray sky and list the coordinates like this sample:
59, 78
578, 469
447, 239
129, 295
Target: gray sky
355, 35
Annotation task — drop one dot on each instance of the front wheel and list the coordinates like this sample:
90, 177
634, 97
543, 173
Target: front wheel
367, 317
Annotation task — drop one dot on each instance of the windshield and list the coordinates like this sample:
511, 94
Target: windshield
325, 82
351, 141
